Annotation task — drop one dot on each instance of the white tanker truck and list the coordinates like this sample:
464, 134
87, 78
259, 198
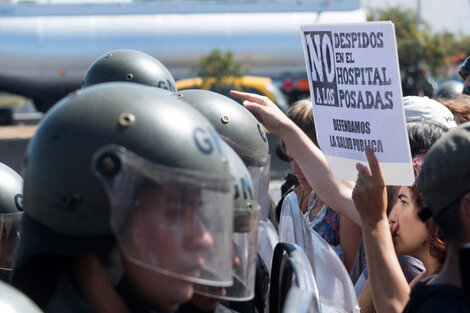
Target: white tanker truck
46, 46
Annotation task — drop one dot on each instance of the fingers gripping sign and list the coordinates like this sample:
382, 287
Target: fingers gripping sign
265, 111
369, 194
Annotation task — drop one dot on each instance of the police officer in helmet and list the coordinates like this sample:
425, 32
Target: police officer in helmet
244, 240
128, 204
241, 131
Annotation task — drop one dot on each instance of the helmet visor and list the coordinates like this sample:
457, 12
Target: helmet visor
9, 232
173, 221
267, 241
244, 260
259, 167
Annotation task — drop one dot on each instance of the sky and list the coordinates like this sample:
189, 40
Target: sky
448, 15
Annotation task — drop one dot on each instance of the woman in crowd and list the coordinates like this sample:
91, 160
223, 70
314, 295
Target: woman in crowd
421, 134
337, 229
402, 232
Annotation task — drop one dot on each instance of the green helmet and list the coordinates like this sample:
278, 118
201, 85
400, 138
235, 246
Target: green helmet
117, 158
245, 232
11, 207
131, 66
240, 129
235, 124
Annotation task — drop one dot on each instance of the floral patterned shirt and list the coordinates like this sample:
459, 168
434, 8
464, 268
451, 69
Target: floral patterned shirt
325, 223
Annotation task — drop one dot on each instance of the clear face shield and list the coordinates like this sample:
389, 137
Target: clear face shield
244, 242
10, 233
292, 227
326, 266
259, 168
172, 221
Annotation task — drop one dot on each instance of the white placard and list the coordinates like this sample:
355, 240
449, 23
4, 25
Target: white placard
355, 87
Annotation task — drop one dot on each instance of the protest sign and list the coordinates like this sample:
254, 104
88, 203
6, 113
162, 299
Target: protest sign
355, 87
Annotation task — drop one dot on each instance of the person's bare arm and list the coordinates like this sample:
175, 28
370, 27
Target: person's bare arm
365, 299
334, 192
389, 288
349, 237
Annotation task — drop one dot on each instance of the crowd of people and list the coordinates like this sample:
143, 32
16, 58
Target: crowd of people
141, 198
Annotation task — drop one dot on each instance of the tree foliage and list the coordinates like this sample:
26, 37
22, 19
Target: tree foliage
421, 52
219, 66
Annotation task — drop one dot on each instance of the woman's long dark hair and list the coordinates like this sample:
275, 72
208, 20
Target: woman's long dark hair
437, 246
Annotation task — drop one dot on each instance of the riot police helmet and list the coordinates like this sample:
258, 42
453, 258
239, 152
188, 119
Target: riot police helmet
127, 65
130, 162
240, 129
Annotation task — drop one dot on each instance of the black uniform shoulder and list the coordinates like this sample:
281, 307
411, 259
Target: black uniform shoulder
435, 298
